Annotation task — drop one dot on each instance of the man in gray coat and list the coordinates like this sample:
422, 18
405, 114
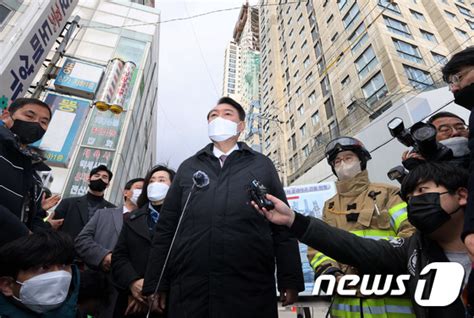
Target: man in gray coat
95, 242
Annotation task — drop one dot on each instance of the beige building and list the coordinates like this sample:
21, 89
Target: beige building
242, 72
329, 68
231, 85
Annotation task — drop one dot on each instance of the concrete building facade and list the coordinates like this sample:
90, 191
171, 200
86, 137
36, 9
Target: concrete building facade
329, 68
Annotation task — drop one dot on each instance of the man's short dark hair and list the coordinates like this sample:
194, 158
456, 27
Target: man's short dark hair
143, 198
442, 115
130, 183
450, 176
458, 61
20, 102
233, 103
38, 249
101, 168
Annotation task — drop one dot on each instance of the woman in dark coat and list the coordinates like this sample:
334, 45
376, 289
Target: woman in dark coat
130, 256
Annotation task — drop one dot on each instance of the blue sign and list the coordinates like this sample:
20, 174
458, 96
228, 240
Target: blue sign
78, 78
68, 116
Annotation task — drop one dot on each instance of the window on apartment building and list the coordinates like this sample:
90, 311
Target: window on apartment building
440, 59
417, 15
304, 46
293, 61
315, 118
312, 97
393, 7
301, 31
351, 16
341, 4
325, 88
331, 17
290, 34
334, 37
303, 131
408, 51
296, 75
346, 81
333, 130
298, 91
306, 62
328, 107
317, 49
312, 20
428, 36
366, 62
374, 89
470, 23
419, 79
310, 78
306, 151
351, 108
301, 110
451, 15
462, 34
397, 27
314, 34
321, 65
462, 1
299, 18
318, 140
292, 122
464, 11
356, 40
289, 21
293, 141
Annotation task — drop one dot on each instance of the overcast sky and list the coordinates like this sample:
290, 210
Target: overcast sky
190, 73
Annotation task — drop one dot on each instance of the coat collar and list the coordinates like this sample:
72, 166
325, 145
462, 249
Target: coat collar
138, 222
83, 208
208, 149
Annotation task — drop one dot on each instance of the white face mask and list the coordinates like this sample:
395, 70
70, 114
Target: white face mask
135, 195
45, 292
346, 171
157, 191
221, 129
459, 145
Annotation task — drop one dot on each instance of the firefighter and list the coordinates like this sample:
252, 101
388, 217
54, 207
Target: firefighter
367, 209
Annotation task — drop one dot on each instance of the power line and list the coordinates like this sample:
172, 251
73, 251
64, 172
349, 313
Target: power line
192, 17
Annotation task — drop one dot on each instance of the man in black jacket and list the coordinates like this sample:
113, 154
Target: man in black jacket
76, 212
459, 74
436, 195
223, 260
23, 123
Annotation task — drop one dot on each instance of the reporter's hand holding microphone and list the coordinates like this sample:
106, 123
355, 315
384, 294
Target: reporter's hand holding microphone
282, 214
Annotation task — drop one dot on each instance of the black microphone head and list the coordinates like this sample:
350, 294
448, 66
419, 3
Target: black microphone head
200, 179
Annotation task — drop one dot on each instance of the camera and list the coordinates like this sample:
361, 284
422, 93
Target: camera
422, 137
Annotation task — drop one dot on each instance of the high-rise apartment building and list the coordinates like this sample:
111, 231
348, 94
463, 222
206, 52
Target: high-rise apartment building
232, 86
242, 72
328, 68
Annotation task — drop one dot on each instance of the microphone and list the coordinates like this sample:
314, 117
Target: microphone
200, 180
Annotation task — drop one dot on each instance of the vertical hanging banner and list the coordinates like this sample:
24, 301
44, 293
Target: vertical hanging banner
18, 74
68, 116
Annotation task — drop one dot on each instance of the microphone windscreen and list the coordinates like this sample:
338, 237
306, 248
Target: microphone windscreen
200, 179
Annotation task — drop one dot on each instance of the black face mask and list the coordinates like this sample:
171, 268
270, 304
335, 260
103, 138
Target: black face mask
465, 97
97, 185
425, 212
27, 132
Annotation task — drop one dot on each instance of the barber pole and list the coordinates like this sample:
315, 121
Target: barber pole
121, 90
109, 84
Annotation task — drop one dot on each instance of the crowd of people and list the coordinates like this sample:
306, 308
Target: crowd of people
175, 249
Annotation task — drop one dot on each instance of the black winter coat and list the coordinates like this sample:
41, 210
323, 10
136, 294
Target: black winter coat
469, 214
75, 212
402, 256
130, 256
20, 186
223, 260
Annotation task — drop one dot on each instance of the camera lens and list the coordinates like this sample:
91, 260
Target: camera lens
424, 132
